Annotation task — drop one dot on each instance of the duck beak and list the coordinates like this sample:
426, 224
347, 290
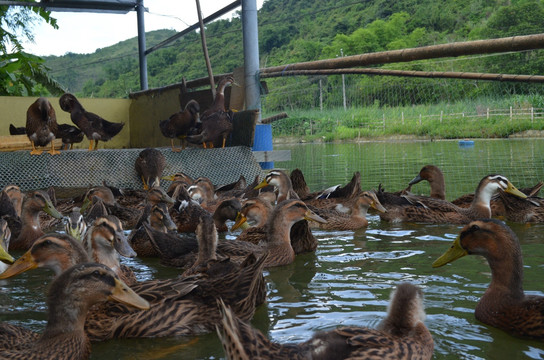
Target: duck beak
261, 185
167, 199
24, 263
5, 256
122, 246
415, 180
454, 252
376, 205
239, 221
169, 223
51, 210
169, 178
125, 295
311, 216
511, 189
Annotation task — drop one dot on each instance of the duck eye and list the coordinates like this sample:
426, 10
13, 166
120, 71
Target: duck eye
474, 228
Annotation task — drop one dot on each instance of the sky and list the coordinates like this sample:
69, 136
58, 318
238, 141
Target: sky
84, 32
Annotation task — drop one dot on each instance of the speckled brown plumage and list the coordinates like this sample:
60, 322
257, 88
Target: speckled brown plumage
430, 210
33, 204
504, 304
69, 298
402, 335
179, 124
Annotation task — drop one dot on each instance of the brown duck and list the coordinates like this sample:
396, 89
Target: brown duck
93, 126
179, 124
70, 297
41, 126
401, 335
504, 304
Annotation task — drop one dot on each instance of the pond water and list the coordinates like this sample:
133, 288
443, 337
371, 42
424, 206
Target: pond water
347, 281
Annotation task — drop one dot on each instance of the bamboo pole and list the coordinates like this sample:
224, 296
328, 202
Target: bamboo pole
412, 73
205, 48
515, 43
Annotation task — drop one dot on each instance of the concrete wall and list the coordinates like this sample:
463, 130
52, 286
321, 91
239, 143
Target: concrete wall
13, 111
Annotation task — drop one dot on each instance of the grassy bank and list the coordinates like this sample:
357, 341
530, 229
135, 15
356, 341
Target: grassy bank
481, 118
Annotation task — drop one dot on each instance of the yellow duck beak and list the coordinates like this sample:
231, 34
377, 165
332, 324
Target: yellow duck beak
239, 221
311, 216
24, 263
377, 206
261, 185
453, 253
125, 295
5, 256
511, 189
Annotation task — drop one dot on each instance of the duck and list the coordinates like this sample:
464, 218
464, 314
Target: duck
226, 210
159, 219
302, 239
76, 225
186, 212
338, 219
70, 135
318, 198
5, 236
401, 335
215, 122
17, 130
69, 299
180, 306
504, 304
129, 216
430, 210
104, 241
33, 204
434, 176
178, 251
149, 166
179, 124
16, 196
41, 126
524, 211
254, 211
209, 264
93, 126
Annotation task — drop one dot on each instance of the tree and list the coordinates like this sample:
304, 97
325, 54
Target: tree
21, 73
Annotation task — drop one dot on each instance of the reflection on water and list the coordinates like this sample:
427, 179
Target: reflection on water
348, 279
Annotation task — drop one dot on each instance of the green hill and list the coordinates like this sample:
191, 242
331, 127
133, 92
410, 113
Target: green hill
292, 31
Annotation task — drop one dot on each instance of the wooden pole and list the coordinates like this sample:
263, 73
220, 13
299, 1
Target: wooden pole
205, 48
515, 43
410, 73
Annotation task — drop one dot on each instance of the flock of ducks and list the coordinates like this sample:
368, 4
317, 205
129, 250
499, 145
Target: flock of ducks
209, 129
94, 297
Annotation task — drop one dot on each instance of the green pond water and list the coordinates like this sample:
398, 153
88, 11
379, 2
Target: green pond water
347, 281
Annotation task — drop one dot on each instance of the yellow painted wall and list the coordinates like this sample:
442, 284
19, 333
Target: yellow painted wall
13, 111
146, 111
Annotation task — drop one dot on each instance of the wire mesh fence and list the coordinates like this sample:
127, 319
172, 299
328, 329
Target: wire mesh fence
353, 105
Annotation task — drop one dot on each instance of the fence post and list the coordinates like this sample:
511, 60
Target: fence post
487, 114
511, 114
532, 114
383, 117
402, 117
419, 119
320, 96
441, 115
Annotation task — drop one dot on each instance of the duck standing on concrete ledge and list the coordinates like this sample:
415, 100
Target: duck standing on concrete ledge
216, 121
179, 124
93, 126
41, 126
